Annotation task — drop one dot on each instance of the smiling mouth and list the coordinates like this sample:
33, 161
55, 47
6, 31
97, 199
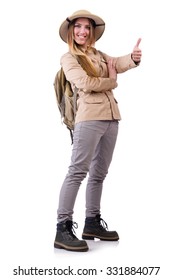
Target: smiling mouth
82, 37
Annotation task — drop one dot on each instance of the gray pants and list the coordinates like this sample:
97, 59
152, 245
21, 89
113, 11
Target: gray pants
93, 147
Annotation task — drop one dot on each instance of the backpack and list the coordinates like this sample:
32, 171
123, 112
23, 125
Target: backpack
66, 100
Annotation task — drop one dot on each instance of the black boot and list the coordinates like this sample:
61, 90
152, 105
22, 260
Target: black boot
97, 228
65, 238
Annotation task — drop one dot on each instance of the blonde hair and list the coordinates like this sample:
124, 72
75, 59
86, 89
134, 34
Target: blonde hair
77, 51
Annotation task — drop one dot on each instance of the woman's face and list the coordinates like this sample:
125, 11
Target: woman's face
82, 31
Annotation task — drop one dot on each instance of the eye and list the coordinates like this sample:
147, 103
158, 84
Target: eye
77, 25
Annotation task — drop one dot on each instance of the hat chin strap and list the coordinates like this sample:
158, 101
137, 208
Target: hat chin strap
67, 19
101, 24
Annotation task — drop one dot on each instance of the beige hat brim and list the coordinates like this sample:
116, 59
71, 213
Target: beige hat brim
99, 28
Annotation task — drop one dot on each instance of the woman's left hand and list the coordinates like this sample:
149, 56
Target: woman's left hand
112, 69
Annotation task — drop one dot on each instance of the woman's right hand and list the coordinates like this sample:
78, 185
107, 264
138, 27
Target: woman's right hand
112, 69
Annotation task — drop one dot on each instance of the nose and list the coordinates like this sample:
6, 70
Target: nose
83, 29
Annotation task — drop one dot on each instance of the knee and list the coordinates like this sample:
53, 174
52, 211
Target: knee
78, 172
98, 177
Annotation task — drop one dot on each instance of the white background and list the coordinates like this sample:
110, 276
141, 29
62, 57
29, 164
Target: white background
35, 147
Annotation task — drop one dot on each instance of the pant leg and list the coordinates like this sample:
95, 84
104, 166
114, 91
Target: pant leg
86, 138
99, 168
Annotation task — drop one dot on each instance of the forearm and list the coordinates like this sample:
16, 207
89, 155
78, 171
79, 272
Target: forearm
124, 63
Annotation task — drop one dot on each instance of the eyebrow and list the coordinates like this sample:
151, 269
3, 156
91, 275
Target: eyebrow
77, 22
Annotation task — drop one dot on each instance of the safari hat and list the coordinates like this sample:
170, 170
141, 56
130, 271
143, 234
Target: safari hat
99, 24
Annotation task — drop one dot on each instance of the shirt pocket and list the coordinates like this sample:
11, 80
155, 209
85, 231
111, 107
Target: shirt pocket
93, 100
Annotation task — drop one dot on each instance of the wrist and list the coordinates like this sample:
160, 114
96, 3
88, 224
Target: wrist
136, 62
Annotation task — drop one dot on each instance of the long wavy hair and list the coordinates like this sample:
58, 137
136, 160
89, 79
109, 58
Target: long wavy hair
77, 50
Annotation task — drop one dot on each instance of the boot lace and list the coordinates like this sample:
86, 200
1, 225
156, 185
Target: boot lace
71, 229
102, 224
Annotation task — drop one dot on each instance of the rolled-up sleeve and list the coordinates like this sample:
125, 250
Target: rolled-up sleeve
122, 63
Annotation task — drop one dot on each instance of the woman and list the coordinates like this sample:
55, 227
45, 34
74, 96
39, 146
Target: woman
94, 74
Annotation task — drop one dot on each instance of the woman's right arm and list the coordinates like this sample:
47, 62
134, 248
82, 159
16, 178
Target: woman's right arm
76, 74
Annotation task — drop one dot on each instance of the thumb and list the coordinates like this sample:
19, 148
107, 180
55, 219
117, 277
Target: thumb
138, 42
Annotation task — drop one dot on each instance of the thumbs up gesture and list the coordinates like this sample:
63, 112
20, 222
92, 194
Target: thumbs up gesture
137, 53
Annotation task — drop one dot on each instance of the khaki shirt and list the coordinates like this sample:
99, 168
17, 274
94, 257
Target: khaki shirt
95, 94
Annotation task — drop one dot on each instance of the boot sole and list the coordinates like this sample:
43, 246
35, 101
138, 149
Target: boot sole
92, 236
70, 248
